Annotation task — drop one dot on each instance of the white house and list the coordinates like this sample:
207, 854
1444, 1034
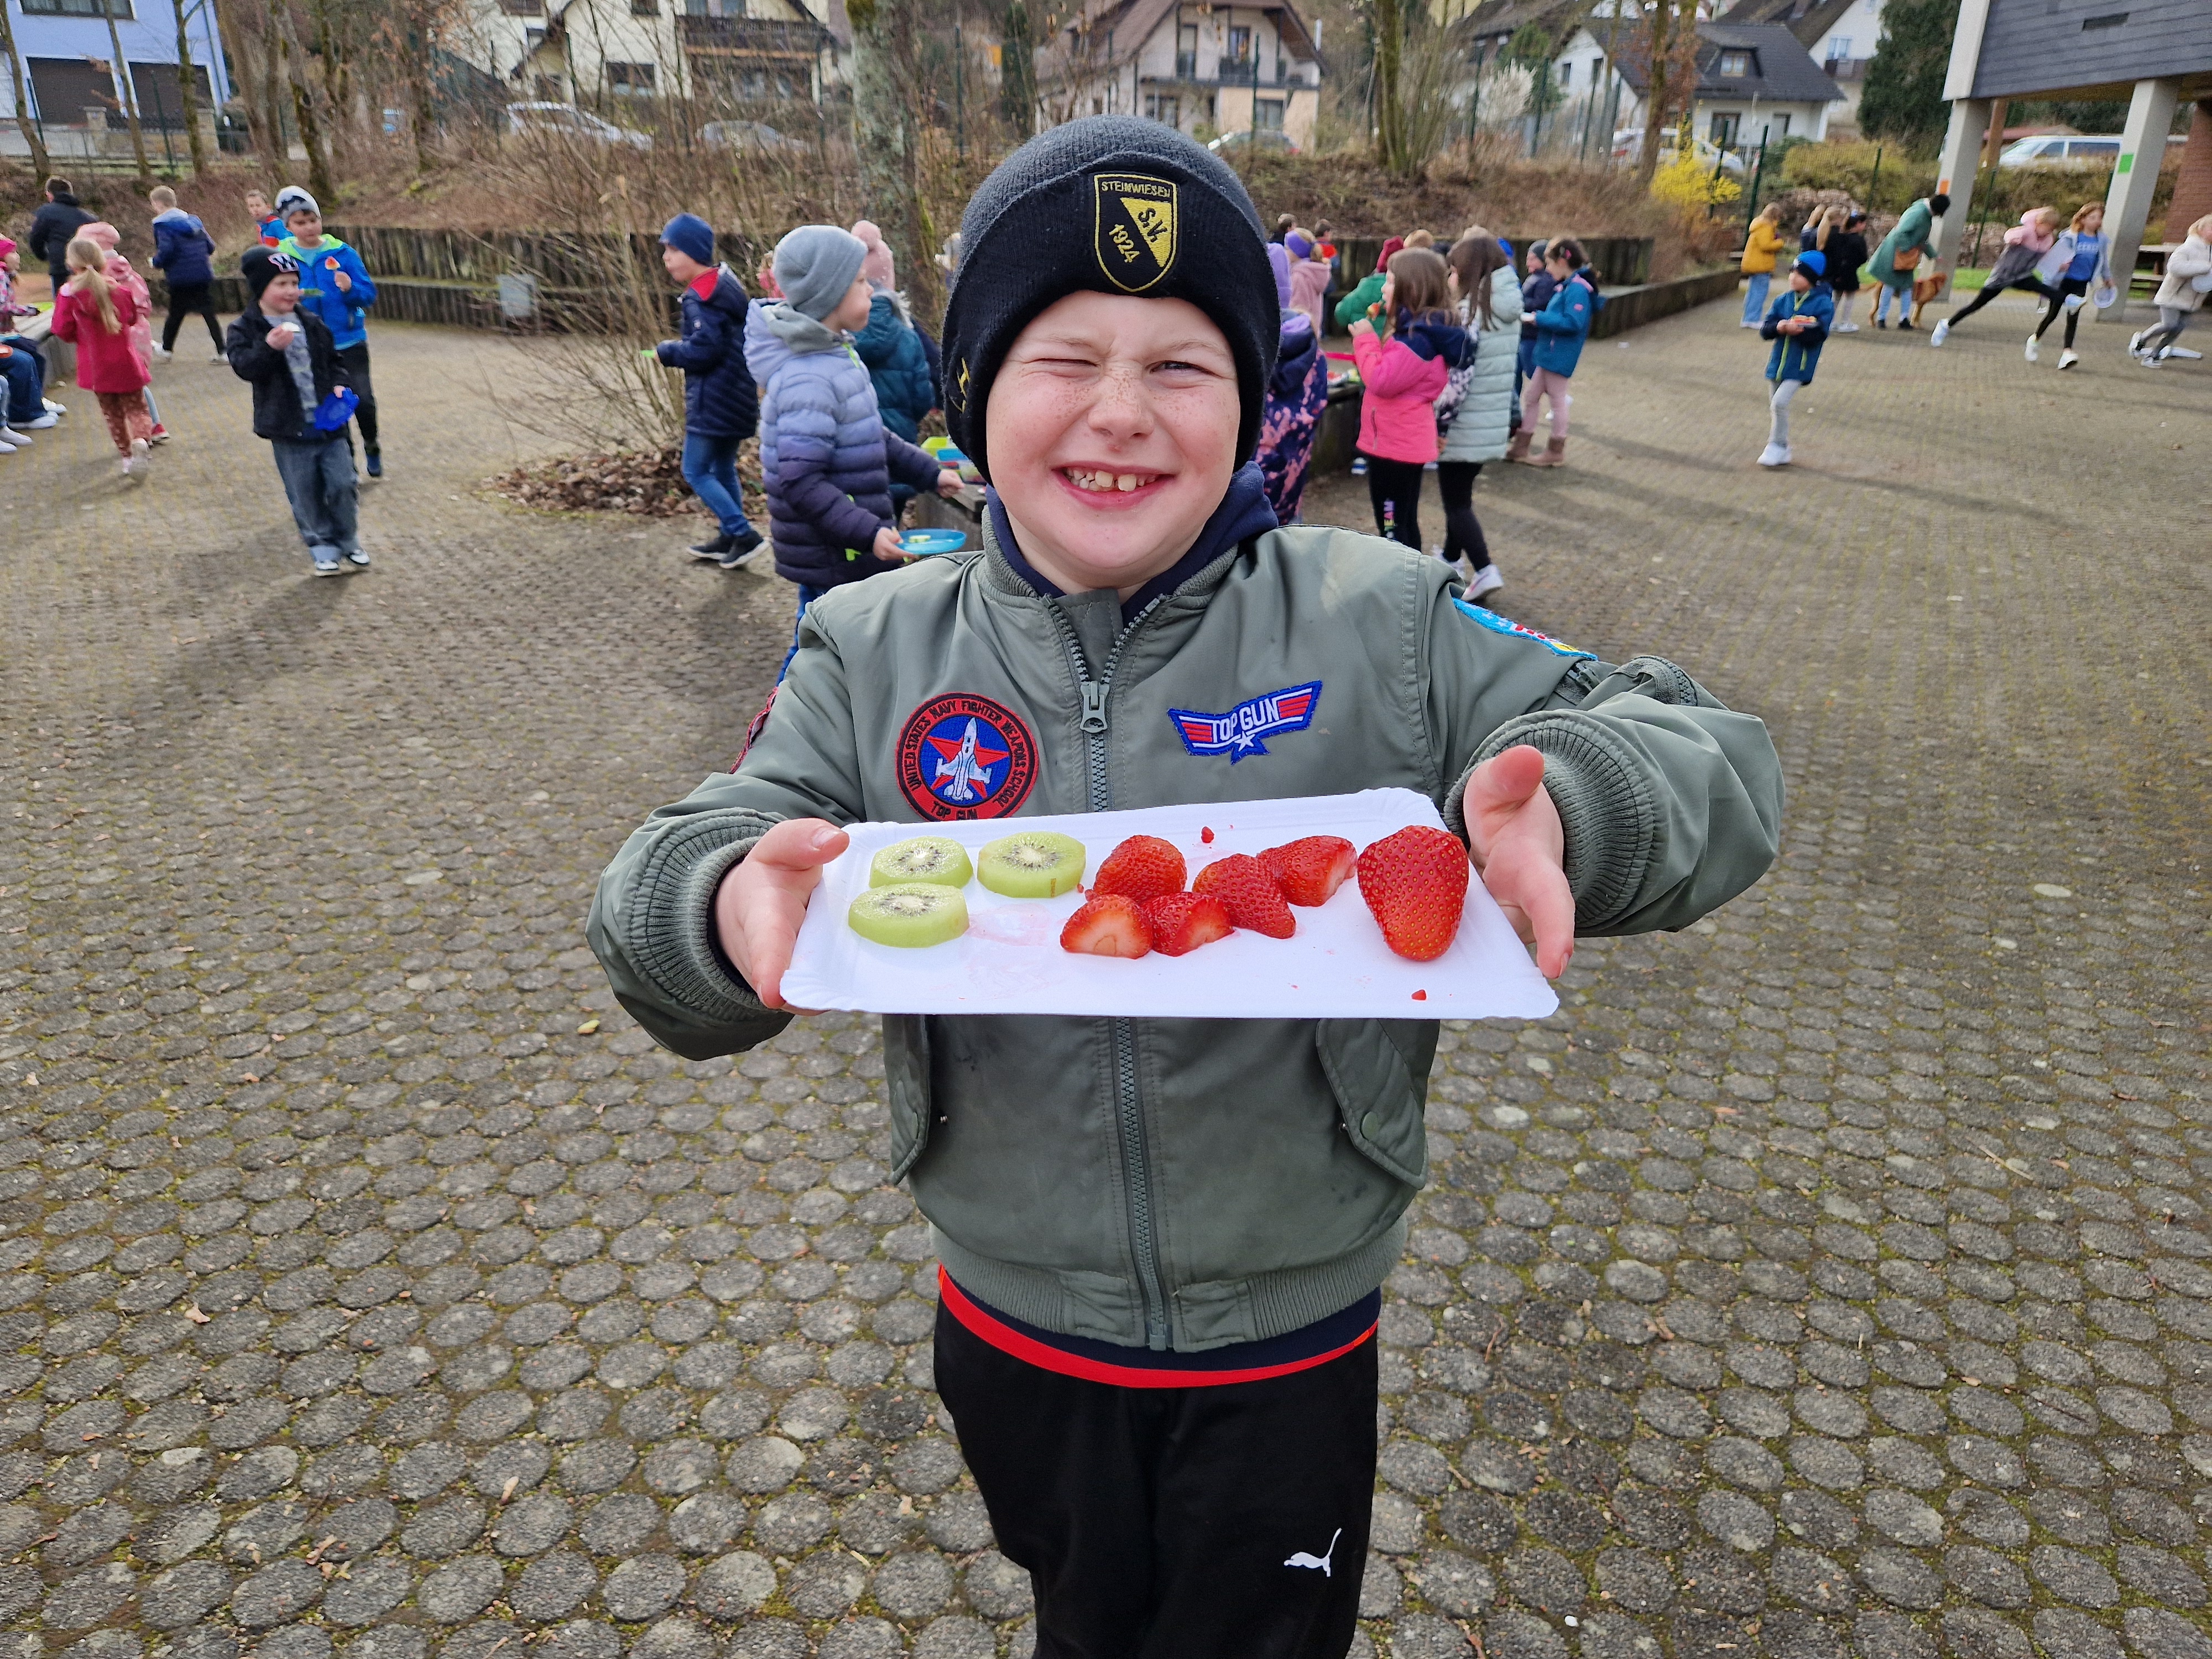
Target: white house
1841, 36
75, 98
1198, 68
1757, 85
600, 52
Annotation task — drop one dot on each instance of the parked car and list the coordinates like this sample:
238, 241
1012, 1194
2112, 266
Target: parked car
749, 134
566, 121
2069, 149
1265, 138
1628, 146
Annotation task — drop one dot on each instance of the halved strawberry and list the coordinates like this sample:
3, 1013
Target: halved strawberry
1181, 922
1415, 882
1249, 893
1310, 870
1108, 925
1144, 867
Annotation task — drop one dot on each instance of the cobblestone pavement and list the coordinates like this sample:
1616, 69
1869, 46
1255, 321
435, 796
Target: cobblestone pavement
1833, 1277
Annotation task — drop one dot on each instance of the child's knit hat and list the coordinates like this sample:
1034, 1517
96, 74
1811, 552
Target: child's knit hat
1813, 263
815, 265
691, 236
260, 266
292, 199
1107, 204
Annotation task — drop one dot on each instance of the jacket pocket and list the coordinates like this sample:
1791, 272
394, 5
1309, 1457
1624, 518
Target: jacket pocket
906, 1084
1379, 1070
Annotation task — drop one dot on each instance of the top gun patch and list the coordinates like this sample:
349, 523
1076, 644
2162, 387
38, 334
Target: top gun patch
1238, 733
1497, 624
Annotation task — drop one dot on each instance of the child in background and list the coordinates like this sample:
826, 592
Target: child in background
1846, 255
2187, 278
1369, 288
1536, 291
1402, 374
183, 253
1798, 325
1489, 300
1760, 244
119, 273
2079, 260
890, 348
826, 459
25, 409
1298, 392
720, 406
285, 352
95, 315
335, 286
267, 224
1309, 274
1561, 328
2025, 245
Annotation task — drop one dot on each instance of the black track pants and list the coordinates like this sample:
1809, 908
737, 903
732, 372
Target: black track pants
1173, 1523
1463, 536
356, 359
2031, 284
1394, 488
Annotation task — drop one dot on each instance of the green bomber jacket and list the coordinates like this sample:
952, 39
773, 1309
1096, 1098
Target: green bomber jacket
1179, 1183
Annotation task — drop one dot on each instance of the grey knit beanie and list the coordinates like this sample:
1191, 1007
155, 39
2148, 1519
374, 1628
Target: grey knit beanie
815, 265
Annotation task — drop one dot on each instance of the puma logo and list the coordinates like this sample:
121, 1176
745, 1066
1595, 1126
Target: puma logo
1302, 1559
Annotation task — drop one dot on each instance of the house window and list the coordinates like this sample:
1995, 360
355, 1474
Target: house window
1186, 52
1735, 65
523, 8
532, 40
121, 9
1167, 110
1722, 131
631, 80
1240, 45
1839, 48
1567, 73
644, 8
1268, 115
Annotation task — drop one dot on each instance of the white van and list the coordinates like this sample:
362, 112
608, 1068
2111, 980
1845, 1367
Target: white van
2065, 150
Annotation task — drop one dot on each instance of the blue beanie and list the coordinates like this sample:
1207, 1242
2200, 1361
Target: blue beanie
691, 236
815, 266
1813, 263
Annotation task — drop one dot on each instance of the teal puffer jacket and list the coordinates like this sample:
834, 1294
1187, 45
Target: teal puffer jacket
896, 364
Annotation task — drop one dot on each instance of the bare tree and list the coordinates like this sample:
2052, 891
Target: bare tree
1017, 88
1669, 42
41, 163
311, 134
187, 94
887, 135
118, 76
421, 43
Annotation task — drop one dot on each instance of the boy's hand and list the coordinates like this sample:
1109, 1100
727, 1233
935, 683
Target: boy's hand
761, 902
345, 282
1519, 846
887, 547
948, 482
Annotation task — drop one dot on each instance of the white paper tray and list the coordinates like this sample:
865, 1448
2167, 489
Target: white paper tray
1010, 961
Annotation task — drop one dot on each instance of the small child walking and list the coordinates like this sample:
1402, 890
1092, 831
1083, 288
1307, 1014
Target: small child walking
1403, 375
1798, 325
95, 315
720, 407
2187, 278
1561, 327
120, 274
285, 352
184, 253
1760, 244
336, 288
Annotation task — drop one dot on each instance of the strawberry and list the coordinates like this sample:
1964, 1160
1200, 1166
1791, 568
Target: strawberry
1108, 925
1249, 893
1144, 867
1415, 882
1181, 922
1309, 870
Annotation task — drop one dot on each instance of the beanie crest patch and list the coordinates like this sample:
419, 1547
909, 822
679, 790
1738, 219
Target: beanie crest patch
1133, 224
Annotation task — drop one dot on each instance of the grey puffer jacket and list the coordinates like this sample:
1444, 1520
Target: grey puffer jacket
1181, 1183
1484, 421
825, 457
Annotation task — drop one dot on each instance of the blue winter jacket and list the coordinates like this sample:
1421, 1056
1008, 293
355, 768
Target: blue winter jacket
898, 366
345, 314
719, 397
182, 249
1796, 356
1564, 325
827, 461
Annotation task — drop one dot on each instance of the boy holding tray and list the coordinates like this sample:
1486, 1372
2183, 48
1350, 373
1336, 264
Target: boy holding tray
1162, 1240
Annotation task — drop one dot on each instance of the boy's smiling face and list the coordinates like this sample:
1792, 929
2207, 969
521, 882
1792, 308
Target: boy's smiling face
1112, 432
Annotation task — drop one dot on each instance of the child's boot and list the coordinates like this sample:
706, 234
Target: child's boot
1555, 454
1518, 449
375, 459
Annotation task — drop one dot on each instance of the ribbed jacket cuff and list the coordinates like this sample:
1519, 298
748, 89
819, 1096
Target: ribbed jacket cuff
1611, 824
672, 927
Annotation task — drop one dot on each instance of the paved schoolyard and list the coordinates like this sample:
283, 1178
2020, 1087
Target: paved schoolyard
1831, 1277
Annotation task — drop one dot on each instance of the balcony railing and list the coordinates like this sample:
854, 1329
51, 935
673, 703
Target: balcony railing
751, 36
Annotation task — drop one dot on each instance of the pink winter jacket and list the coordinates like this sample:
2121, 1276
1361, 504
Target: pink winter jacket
2029, 233
1309, 281
1397, 411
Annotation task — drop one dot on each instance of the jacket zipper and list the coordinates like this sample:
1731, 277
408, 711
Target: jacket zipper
1128, 1104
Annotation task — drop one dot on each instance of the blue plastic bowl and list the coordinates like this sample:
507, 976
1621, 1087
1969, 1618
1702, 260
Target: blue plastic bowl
933, 541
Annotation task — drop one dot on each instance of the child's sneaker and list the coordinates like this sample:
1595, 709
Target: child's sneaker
39, 425
357, 559
160, 435
1847, 328
219, 357
2135, 342
162, 354
54, 408
329, 567
1774, 455
1942, 333
2035, 355
716, 548
2068, 357
375, 458
1486, 581
14, 439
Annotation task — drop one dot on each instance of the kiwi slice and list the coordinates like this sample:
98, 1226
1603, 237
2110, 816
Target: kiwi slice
1032, 863
909, 913
931, 859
